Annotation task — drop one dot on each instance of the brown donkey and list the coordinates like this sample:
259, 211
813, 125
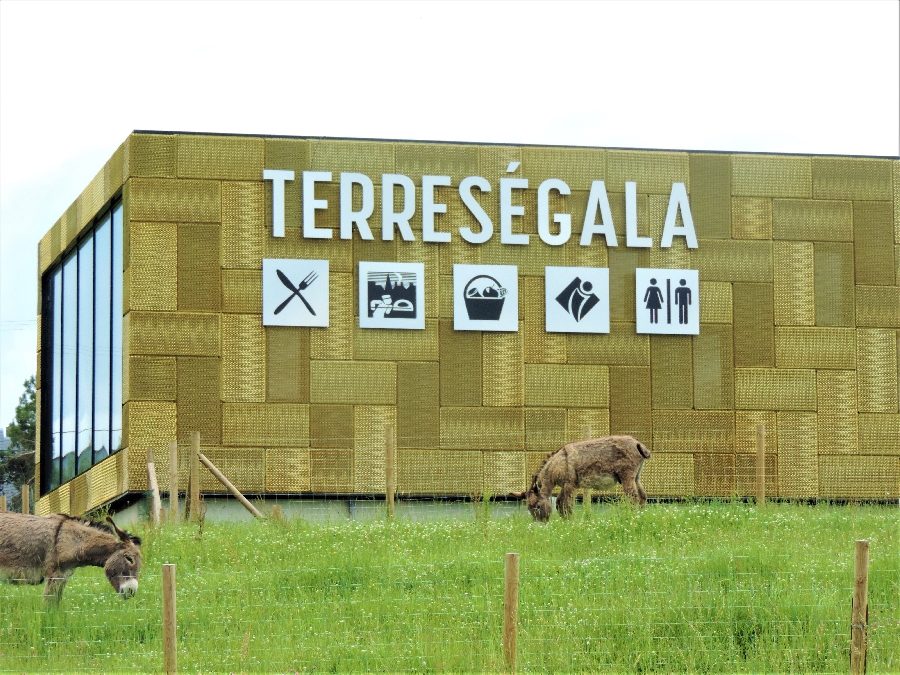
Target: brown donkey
598, 464
34, 549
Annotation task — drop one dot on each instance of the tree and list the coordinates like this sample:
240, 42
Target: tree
17, 461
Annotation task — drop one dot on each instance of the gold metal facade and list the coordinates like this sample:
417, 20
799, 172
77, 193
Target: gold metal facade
799, 263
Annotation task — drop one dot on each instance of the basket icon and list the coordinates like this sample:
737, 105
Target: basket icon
484, 300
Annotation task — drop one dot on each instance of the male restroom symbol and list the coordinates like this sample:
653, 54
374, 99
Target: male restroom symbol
682, 299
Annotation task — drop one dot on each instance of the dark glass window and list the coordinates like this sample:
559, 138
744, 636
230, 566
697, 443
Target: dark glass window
82, 338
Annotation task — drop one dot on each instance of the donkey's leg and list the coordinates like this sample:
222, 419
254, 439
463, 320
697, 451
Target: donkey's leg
565, 501
630, 487
56, 582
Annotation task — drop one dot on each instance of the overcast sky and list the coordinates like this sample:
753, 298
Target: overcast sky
77, 77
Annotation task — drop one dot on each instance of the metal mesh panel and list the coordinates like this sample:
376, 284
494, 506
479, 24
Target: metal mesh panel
734, 261
151, 378
91, 200
654, 172
794, 295
629, 402
754, 319
851, 178
713, 372
539, 345
103, 481
751, 218
693, 431
241, 291
337, 341
154, 266
199, 276
265, 424
331, 426
771, 176
579, 419
873, 243
798, 455
364, 382
711, 195
580, 386
331, 470
78, 494
370, 158
837, 422
198, 398
220, 157
808, 220
879, 434
877, 370
545, 429
418, 405
503, 369
878, 306
859, 477
439, 472
397, 345
369, 446
461, 356
287, 470
151, 156
503, 472
621, 346
290, 154
429, 159
150, 424
243, 225
482, 428
245, 468
745, 475
577, 167
174, 334
714, 475
669, 475
811, 347
833, 274
774, 389
175, 201
243, 358
672, 372
745, 424
287, 364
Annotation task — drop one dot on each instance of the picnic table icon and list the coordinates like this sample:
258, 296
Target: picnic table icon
295, 290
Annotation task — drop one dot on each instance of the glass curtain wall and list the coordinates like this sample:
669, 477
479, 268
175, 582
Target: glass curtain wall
82, 305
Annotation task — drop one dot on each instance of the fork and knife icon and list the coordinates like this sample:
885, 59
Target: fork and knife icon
295, 290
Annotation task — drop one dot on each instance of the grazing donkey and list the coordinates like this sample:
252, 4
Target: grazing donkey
35, 548
598, 463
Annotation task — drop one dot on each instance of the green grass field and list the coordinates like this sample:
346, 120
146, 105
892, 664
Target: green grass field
718, 587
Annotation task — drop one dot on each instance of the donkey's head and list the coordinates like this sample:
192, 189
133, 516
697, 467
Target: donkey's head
124, 565
539, 506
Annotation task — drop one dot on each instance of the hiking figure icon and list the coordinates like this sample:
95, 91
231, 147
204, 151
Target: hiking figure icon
578, 298
295, 290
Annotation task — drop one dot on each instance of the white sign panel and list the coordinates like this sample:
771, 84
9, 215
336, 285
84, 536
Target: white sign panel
486, 297
295, 292
577, 299
392, 295
668, 301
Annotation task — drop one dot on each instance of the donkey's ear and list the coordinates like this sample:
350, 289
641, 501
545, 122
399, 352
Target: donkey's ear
517, 495
534, 482
123, 535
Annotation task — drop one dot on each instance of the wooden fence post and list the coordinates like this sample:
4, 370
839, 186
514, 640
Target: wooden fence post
173, 481
2, 502
761, 465
170, 644
154, 489
26, 498
228, 485
511, 610
389, 468
587, 493
859, 620
195, 475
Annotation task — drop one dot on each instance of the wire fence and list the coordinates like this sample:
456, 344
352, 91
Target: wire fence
734, 614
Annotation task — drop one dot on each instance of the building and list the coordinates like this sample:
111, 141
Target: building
288, 298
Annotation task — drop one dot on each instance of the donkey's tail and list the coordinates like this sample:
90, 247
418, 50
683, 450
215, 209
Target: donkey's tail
644, 451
